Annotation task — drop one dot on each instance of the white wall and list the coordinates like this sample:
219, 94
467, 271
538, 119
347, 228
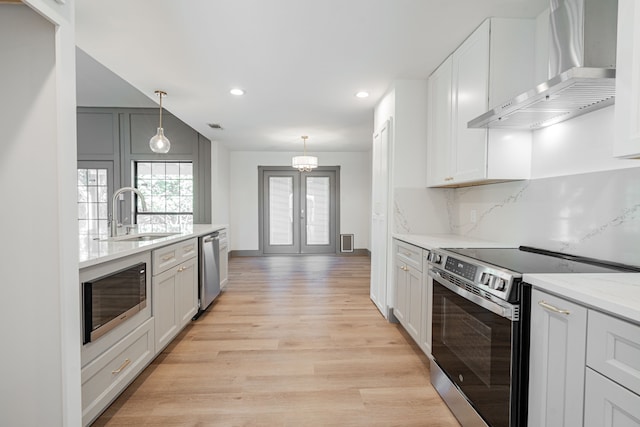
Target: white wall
39, 296
355, 193
219, 183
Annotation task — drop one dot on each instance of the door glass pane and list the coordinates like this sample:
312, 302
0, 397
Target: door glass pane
280, 210
317, 210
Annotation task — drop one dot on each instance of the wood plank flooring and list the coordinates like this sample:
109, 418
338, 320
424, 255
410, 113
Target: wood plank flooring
292, 341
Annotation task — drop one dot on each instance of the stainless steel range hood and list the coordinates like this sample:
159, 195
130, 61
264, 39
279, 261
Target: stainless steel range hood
582, 50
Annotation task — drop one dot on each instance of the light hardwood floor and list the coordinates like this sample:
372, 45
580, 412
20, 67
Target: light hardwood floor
292, 341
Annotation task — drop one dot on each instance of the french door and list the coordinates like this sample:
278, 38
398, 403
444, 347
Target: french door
299, 210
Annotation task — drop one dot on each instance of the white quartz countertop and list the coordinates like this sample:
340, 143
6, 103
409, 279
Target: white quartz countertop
96, 250
433, 241
617, 293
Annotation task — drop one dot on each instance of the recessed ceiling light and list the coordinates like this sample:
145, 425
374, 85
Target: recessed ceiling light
236, 92
362, 94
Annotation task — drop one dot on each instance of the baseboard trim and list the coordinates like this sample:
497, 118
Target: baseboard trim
241, 253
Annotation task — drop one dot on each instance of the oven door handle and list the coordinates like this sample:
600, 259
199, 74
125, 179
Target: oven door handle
505, 310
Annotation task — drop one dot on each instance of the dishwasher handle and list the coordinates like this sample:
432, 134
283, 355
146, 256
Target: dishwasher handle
211, 239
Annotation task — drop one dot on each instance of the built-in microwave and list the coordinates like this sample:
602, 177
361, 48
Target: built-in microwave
111, 299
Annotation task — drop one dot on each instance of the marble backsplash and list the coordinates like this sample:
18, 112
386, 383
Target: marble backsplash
594, 214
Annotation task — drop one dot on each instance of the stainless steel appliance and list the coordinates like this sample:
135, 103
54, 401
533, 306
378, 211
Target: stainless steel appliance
480, 327
110, 300
209, 271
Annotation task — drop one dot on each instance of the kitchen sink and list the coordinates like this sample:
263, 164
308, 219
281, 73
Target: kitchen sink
140, 237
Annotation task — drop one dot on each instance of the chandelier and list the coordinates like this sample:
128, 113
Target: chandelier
304, 163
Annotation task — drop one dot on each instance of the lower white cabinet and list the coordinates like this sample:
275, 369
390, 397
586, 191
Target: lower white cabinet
607, 404
427, 307
175, 300
557, 360
106, 376
224, 259
408, 288
584, 366
175, 289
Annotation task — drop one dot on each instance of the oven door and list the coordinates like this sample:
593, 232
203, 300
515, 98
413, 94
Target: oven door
478, 350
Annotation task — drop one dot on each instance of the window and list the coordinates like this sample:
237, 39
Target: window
168, 190
93, 201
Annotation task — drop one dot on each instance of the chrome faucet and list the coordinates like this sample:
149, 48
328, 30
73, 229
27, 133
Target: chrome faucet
114, 208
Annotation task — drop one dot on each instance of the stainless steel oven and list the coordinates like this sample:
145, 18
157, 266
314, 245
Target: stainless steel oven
478, 346
481, 327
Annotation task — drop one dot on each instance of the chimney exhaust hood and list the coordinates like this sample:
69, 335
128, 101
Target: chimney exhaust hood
582, 56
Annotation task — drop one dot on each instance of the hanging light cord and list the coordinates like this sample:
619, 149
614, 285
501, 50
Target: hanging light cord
304, 150
160, 94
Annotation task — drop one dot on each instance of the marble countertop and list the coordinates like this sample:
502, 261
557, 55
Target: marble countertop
95, 250
432, 241
617, 294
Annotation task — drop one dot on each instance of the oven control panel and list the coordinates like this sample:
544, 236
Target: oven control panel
461, 268
490, 281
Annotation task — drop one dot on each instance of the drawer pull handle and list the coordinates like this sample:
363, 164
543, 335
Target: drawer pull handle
167, 257
550, 307
189, 249
124, 365
406, 253
181, 269
403, 268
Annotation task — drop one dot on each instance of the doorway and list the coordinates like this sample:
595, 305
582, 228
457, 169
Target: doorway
298, 210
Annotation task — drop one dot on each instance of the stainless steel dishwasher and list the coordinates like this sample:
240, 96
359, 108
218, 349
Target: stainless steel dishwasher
209, 272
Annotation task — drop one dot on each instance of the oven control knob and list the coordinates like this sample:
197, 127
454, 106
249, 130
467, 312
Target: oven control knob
484, 279
437, 259
497, 283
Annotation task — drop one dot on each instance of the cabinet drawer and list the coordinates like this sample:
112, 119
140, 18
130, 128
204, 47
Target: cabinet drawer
411, 255
172, 255
108, 375
613, 349
608, 404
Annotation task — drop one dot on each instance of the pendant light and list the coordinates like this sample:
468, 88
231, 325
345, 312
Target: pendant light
304, 163
160, 143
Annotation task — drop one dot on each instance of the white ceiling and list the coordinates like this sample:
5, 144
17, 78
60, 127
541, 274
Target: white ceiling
300, 61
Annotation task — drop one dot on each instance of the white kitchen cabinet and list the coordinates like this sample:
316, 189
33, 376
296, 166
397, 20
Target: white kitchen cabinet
557, 361
627, 108
104, 378
494, 63
427, 306
607, 404
408, 307
224, 258
175, 290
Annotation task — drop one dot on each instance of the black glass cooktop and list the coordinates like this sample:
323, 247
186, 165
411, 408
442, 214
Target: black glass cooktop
527, 260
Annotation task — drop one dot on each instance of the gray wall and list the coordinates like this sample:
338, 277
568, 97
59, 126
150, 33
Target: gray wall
120, 136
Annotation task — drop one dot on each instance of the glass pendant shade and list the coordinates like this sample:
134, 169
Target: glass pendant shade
304, 163
160, 143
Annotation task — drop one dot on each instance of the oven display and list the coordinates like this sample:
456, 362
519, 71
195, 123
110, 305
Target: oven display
461, 268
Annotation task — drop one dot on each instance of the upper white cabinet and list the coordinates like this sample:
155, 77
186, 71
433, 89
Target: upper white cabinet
493, 64
627, 110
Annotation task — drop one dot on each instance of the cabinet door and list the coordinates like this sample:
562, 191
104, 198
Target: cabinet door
627, 110
470, 70
414, 303
557, 361
401, 292
439, 126
606, 404
427, 309
186, 298
164, 308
